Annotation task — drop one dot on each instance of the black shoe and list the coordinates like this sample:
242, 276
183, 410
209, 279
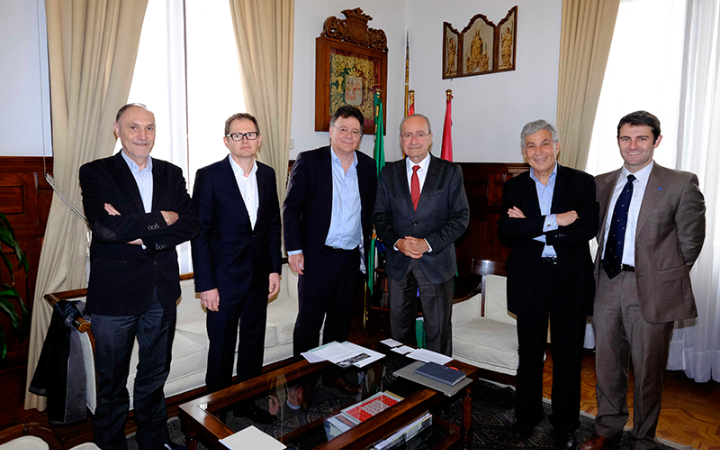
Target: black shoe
523, 428
565, 440
254, 413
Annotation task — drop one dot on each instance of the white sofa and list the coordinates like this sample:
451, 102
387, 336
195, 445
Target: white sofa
488, 341
190, 346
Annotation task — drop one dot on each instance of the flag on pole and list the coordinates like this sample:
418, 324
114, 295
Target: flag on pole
447, 153
411, 103
379, 155
407, 72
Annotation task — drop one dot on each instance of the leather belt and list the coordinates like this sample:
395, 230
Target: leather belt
627, 268
549, 260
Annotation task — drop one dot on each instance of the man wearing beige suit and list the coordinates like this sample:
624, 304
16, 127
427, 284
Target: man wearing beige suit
652, 230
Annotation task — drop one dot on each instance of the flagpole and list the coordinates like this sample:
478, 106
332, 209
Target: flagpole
407, 71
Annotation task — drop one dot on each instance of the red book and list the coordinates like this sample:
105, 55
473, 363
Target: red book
360, 412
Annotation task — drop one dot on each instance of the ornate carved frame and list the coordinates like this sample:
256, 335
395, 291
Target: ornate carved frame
352, 40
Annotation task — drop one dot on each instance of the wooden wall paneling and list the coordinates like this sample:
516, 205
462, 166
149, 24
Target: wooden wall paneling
483, 186
25, 198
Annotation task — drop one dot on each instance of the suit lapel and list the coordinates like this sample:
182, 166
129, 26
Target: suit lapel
559, 192
326, 180
230, 182
263, 181
653, 194
431, 181
401, 173
532, 208
125, 178
605, 192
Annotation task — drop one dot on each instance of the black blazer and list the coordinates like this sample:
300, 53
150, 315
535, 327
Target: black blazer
123, 276
308, 202
441, 217
229, 254
574, 190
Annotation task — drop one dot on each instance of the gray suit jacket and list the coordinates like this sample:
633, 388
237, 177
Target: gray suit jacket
669, 237
442, 216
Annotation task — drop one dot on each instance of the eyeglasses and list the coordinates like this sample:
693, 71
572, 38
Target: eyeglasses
419, 135
344, 130
237, 137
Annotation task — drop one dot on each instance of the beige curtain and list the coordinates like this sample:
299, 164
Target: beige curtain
587, 30
264, 35
92, 46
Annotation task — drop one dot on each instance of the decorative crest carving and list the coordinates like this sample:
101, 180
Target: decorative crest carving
354, 29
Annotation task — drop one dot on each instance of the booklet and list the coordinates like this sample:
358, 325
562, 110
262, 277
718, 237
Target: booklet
360, 412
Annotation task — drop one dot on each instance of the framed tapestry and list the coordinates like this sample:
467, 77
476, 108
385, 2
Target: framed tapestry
451, 51
478, 46
350, 66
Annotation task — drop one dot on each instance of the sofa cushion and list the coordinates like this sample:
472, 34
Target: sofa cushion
496, 300
487, 341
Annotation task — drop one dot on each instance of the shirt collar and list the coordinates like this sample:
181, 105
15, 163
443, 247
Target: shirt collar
641, 175
423, 164
134, 167
236, 167
336, 161
552, 176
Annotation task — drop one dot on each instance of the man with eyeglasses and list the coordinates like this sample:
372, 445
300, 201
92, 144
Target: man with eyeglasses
327, 221
421, 209
237, 257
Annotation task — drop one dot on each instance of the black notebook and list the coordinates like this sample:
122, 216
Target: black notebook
440, 373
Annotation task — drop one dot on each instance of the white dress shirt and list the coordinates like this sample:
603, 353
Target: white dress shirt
248, 188
422, 172
639, 185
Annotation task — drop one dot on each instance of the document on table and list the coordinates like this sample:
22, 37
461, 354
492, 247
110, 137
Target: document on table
424, 355
343, 354
251, 437
391, 343
403, 350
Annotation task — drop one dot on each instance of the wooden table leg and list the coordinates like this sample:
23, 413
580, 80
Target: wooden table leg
190, 435
466, 430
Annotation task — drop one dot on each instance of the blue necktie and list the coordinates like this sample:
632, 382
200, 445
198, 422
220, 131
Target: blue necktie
612, 262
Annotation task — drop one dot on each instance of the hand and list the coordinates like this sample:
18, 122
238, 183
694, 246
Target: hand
170, 217
566, 218
412, 247
297, 263
111, 210
515, 213
210, 299
137, 241
274, 285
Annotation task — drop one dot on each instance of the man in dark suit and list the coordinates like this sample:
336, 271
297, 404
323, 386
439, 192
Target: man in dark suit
326, 220
421, 209
236, 256
653, 228
138, 210
548, 216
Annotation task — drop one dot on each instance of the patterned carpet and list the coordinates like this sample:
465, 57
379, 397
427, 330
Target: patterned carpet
492, 417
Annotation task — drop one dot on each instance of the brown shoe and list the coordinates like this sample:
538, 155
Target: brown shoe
597, 442
341, 384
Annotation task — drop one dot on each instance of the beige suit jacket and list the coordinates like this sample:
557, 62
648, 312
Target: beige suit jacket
669, 237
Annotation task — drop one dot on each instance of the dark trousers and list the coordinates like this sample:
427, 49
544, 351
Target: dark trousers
436, 301
114, 339
250, 311
567, 333
621, 336
326, 292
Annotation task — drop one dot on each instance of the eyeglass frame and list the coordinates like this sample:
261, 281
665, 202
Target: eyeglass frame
243, 136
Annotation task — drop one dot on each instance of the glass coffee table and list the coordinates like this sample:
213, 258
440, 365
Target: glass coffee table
209, 419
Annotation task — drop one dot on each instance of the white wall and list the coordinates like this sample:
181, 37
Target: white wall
488, 111
389, 16
24, 92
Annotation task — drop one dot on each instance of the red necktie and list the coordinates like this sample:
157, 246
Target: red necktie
415, 187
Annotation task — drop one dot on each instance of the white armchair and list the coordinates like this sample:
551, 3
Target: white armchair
484, 331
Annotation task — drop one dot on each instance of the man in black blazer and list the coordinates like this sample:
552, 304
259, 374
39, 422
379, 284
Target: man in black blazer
326, 220
138, 210
421, 209
548, 216
236, 256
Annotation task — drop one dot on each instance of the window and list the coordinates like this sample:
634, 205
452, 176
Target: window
187, 72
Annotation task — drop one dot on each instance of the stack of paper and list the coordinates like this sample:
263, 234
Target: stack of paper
343, 354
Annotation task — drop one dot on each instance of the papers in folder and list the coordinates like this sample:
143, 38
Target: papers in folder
343, 354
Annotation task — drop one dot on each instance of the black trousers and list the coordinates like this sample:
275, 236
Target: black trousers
567, 333
250, 312
114, 339
325, 293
